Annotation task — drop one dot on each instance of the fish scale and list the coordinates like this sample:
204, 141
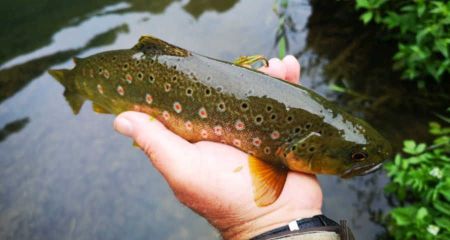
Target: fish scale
280, 125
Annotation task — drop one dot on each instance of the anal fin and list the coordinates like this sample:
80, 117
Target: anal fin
75, 101
268, 181
99, 109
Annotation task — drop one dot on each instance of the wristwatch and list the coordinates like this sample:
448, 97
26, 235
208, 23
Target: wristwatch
315, 224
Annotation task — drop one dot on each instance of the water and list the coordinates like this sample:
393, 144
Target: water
72, 177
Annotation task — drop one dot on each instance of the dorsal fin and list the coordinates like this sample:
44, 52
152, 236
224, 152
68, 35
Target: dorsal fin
152, 45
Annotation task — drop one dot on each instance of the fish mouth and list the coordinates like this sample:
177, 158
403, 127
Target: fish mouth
363, 170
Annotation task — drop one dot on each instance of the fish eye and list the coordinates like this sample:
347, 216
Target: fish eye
359, 156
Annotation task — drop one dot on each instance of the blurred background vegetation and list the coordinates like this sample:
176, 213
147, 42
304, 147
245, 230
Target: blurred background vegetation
412, 37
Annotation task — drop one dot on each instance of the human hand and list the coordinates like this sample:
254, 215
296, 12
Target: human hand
213, 179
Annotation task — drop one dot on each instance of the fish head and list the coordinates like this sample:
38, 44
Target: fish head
317, 153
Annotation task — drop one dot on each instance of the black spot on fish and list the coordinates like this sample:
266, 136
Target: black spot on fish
207, 92
258, 119
189, 91
269, 108
125, 66
289, 119
308, 125
244, 106
151, 78
311, 149
273, 116
221, 107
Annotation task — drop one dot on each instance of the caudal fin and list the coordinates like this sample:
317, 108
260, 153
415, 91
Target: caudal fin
60, 75
73, 98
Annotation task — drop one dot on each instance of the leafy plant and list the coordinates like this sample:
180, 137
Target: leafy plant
422, 29
420, 186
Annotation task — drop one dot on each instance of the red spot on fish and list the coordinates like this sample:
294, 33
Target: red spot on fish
177, 107
148, 98
275, 135
129, 78
239, 125
188, 125
202, 113
120, 90
218, 130
237, 142
204, 133
166, 115
256, 142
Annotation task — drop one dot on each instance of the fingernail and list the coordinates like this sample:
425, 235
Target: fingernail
123, 126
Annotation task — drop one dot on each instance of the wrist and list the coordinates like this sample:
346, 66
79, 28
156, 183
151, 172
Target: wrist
273, 218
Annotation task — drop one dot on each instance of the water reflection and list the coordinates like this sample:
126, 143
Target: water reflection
13, 127
197, 7
21, 31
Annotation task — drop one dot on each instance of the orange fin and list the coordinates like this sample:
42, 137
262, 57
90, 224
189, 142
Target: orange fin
268, 181
99, 109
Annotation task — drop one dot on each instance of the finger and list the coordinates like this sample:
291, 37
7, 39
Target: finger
275, 69
156, 141
292, 69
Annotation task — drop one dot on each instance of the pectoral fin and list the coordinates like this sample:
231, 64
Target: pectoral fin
249, 61
99, 109
268, 181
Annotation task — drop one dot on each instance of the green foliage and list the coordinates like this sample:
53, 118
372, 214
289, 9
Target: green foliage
422, 29
279, 8
420, 184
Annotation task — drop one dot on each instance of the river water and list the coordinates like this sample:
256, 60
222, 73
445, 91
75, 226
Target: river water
72, 177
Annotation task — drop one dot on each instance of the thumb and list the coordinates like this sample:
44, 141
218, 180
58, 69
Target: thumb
156, 141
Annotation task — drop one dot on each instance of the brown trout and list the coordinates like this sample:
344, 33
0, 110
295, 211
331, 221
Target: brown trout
282, 126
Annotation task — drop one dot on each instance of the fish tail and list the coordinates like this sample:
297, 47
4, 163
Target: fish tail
73, 98
60, 75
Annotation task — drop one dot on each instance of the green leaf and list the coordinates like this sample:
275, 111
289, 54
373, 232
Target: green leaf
420, 148
282, 47
366, 17
409, 146
443, 223
442, 207
421, 214
442, 46
421, 8
362, 4
404, 216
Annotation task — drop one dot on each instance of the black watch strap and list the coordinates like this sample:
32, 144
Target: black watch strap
299, 225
